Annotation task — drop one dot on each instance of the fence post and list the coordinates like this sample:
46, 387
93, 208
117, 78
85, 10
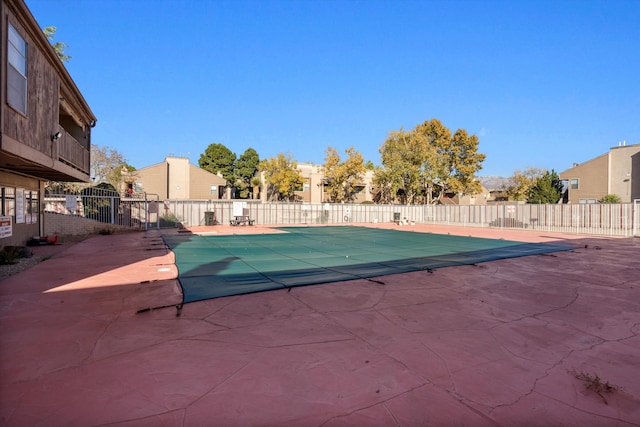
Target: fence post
113, 210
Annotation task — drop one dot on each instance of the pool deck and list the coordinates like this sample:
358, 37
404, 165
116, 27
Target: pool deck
545, 340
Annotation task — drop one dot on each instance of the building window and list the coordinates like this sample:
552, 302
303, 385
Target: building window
575, 184
16, 71
32, 208
8, 201
137, 187
214, 190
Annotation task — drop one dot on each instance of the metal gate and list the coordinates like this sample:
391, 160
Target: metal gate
107, 206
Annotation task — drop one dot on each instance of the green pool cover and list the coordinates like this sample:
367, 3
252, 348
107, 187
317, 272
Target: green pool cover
218, 266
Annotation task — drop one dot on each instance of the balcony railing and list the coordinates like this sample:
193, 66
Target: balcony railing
72, 153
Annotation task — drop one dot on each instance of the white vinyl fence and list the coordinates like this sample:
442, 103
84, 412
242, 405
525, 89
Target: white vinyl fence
600, 219
147, 211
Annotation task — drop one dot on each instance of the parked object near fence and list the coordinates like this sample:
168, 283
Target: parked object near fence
147, 211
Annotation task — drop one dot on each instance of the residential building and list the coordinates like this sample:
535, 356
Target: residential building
467, 199
177, 179
615, 172
45, 124
313, 188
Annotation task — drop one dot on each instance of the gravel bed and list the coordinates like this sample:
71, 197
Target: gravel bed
7, 270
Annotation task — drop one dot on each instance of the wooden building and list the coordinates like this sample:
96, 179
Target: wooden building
45, 124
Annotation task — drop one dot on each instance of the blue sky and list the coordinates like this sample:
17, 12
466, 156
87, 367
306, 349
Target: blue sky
542, 83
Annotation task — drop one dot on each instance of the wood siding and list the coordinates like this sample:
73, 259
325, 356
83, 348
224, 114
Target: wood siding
27, 138
35, 129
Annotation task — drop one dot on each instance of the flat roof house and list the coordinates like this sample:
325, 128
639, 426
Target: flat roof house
45, 124
177, 179
616, 172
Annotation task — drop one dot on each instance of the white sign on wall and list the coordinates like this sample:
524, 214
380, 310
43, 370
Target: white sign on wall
71, 203
238, 208
6, 230
19, 205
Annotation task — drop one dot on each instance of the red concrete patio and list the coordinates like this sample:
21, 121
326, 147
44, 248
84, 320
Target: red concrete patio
548, 340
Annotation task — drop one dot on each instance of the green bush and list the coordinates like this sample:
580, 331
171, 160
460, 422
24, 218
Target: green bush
611, 198
10, 255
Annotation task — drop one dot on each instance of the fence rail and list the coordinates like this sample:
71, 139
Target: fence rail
107, 207
149, 212
600, 219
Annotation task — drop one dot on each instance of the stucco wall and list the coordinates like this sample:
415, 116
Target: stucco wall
592, 176
201, 181
623, 172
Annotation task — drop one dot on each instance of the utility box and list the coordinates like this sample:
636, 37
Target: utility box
209, 218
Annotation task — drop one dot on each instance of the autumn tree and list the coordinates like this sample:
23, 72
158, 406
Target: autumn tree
342, 177
451, 162
60, 187
428, 162
546, 190
520, 184
463, 162
403, 155
106, 165
382, 186
245, 169
219, 159
282, 177
59, 47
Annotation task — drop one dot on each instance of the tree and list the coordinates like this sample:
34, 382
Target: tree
451, 162
382, 186
282, 177
463, 163
428, 162
435, 143
219, 159
522, 181
106, 165
611, 199
245, 170
59, 187
255, 184
402, 157
59, 47
342, 177
547, 189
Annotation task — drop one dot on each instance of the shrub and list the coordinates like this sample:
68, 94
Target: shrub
10, 255
611, 198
